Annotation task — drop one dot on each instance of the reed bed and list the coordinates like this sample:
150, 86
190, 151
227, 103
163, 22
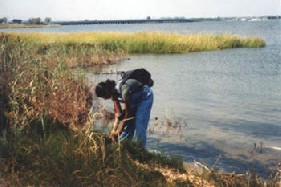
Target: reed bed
148, 42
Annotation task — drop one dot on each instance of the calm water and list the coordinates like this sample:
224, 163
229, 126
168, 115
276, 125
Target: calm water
225, 106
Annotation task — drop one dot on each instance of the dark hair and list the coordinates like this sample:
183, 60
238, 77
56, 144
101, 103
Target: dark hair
150, 83
105, 89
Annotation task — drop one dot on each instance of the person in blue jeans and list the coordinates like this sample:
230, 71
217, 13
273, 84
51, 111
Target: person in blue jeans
134, 90
143, 115
130, 94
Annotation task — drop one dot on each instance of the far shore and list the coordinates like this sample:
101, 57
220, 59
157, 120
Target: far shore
6, 26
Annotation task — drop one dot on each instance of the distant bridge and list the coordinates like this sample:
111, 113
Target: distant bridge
142, 21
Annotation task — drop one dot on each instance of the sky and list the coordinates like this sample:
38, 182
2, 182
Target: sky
135, 9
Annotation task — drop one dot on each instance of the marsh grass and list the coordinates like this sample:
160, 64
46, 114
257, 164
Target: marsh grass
67, 158
38, 80
146, 42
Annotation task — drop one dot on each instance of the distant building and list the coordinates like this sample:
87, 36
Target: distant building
16, 21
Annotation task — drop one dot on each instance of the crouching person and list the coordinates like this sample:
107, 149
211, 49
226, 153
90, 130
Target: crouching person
130, 95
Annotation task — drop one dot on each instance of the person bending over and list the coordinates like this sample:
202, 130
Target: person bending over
130, 94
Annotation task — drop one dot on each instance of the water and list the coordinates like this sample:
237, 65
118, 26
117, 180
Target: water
225, 106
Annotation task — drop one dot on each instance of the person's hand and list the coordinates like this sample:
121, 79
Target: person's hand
112, 132
112, 135
116, 132
119, 131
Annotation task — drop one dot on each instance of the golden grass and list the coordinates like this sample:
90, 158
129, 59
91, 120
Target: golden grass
148, 42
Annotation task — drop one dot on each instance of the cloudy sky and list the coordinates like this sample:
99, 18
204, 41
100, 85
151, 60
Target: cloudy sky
135, 9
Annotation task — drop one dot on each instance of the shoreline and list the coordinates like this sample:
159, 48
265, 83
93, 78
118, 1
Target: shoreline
10, 26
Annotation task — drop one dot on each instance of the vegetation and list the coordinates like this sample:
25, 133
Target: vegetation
66, 158
3, 26
32, 21
46, 129
146, 42
35, 21
3, 20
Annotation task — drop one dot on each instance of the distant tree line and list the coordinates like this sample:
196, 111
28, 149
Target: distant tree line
34, 21
3, 20
37, 20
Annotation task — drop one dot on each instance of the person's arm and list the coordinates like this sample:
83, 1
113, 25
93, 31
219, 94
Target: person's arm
126, 96
117, 113
123, 121
117, 107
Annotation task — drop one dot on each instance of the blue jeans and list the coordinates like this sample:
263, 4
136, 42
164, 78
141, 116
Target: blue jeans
143, 115
129, 128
